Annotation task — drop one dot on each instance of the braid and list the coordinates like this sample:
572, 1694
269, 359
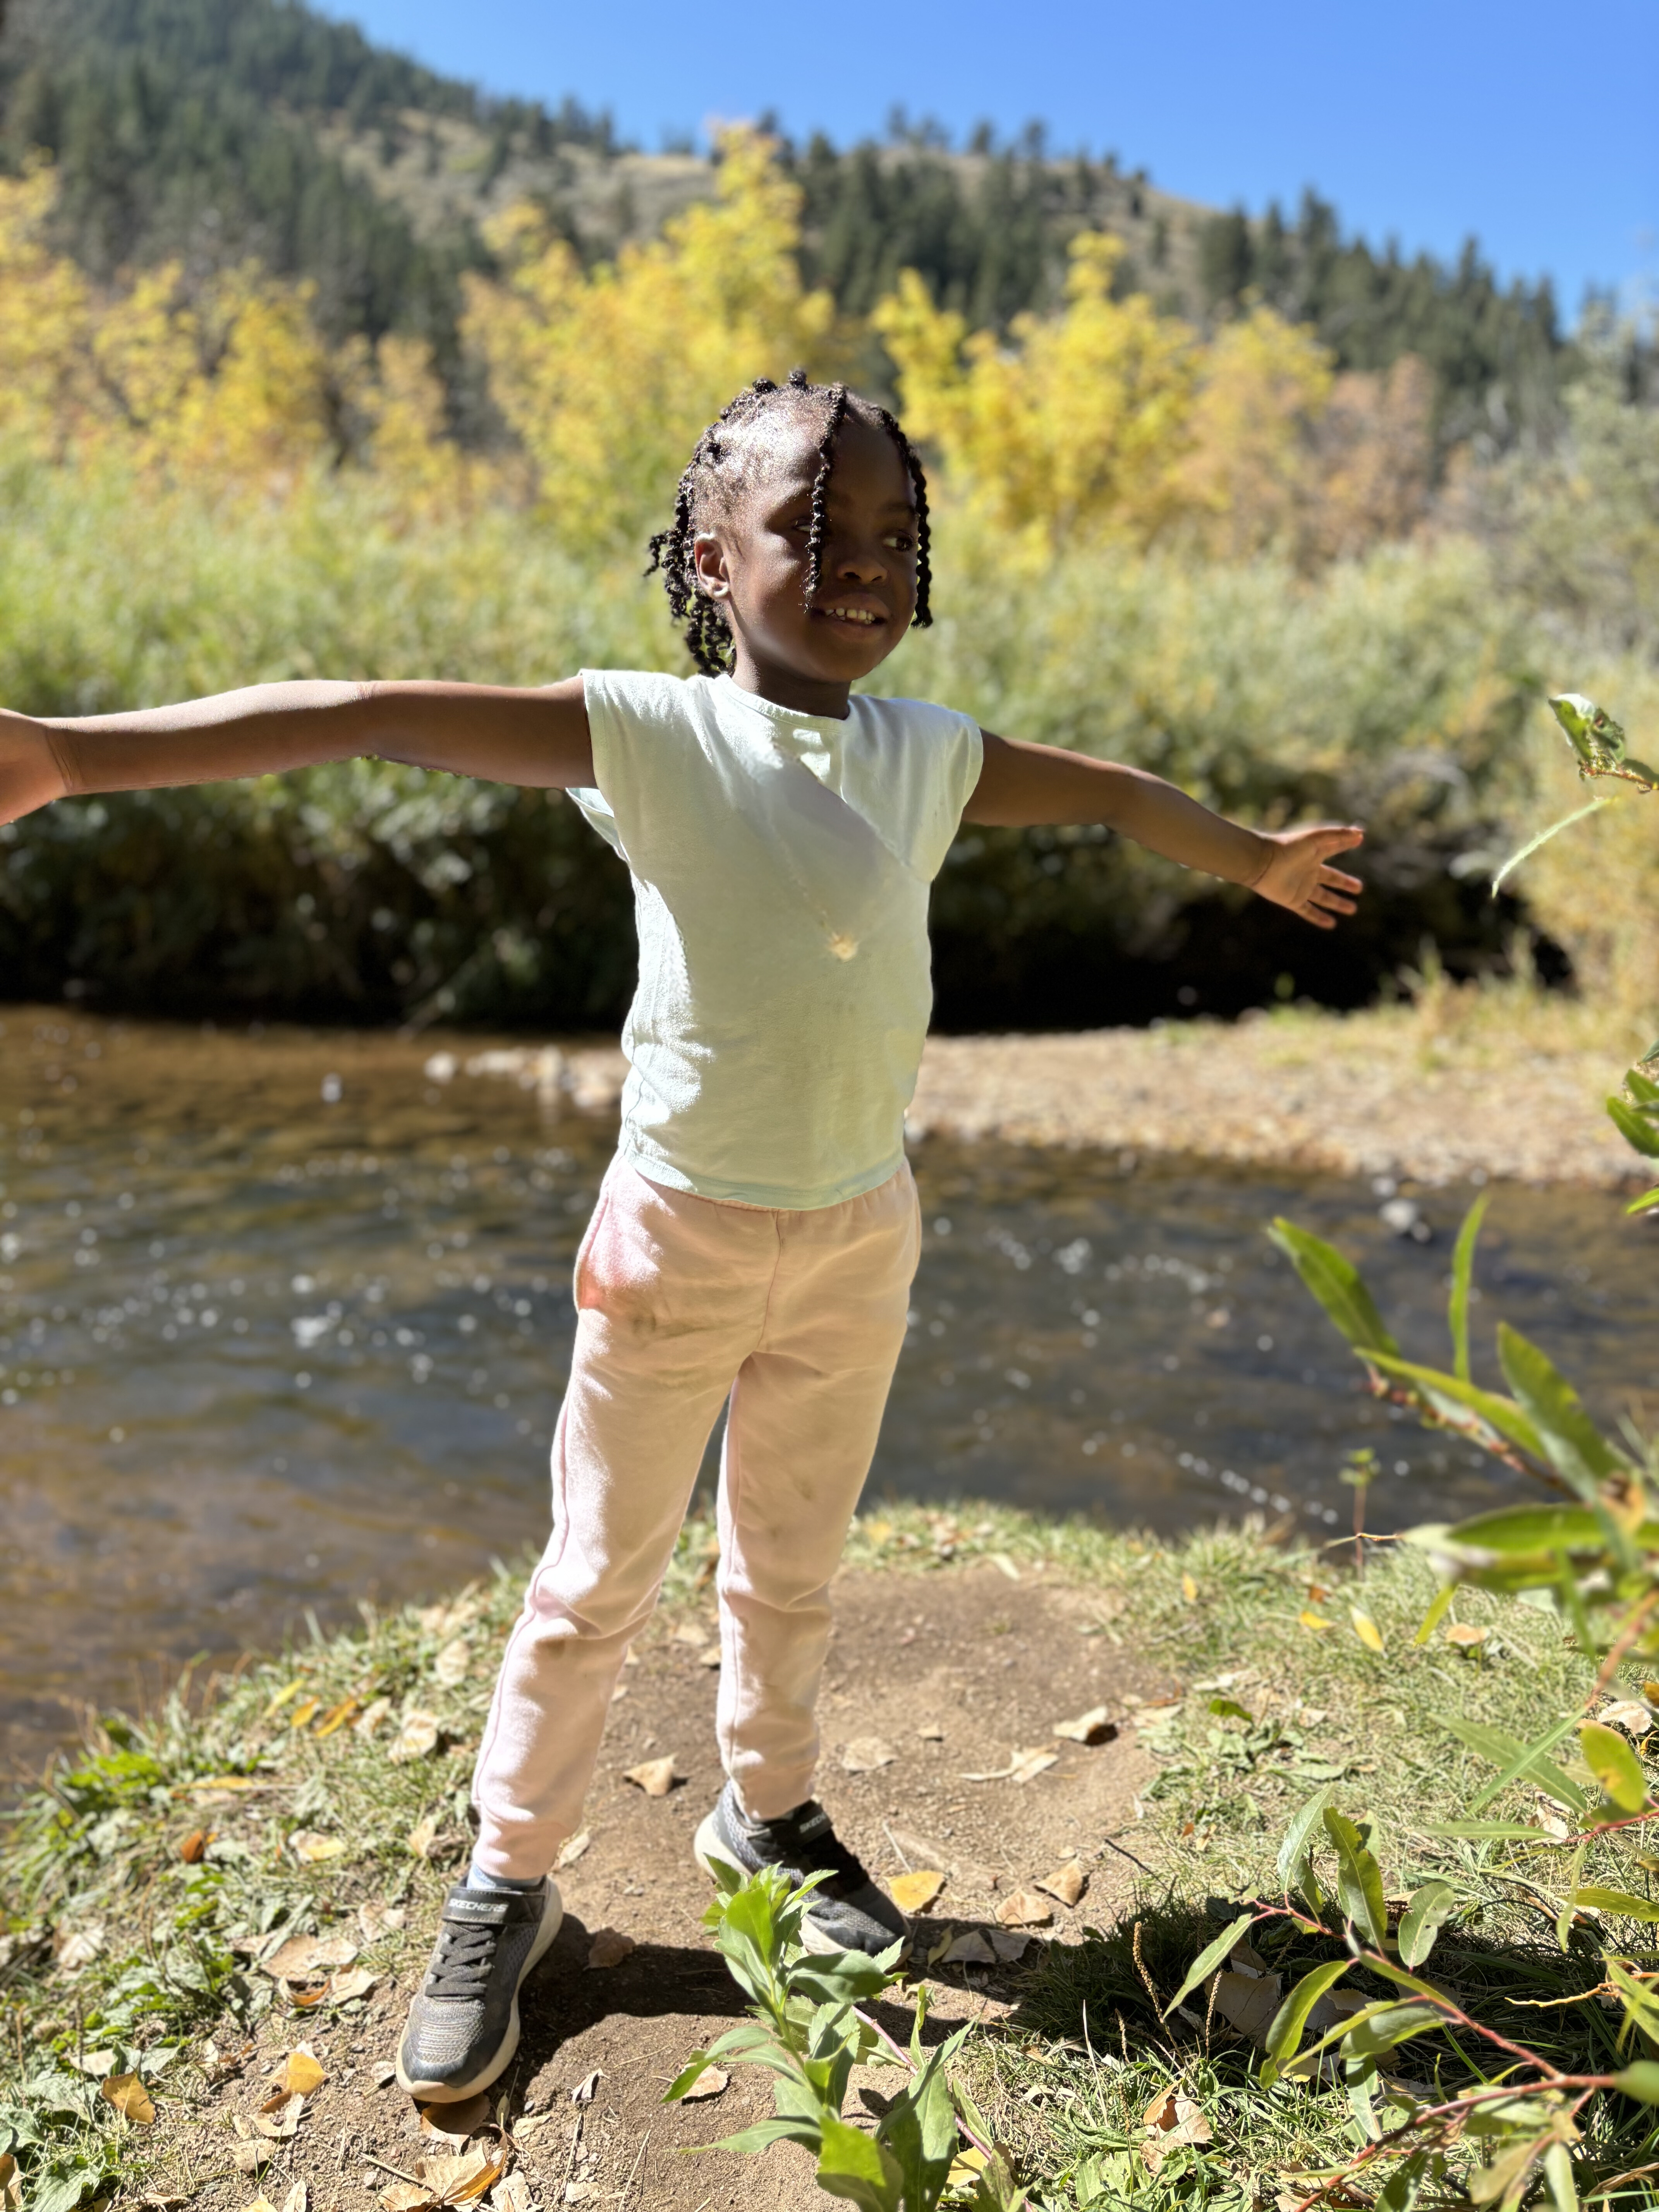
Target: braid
709, 483
815, 536
923, 616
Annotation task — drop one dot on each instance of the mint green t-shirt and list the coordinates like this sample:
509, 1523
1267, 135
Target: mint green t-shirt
781, 865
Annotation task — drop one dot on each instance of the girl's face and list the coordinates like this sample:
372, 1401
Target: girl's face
755, 564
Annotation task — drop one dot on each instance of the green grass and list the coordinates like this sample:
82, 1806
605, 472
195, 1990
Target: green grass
1065, 2079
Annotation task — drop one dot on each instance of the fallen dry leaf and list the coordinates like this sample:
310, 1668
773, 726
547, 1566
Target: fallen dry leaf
309, 1958
864, 1753
609, 1947
458, 2121
301, 2076
371, 1716
1312, 1620
261, 2203
656, 1776
930, 1732
460, 2180
915, 1893
417, 1733
969, 1949
336, 1717
81, 1949
305, 1712
709, 2083
571, 1849
1626, 1713
129, 2098
1024, 1909
1066, 1882
450, 1665
1004, 1566
384, 2074
1464, 1635
511, 2194
355, 1982
711, 1657
249, 2157
194, 1850
1023, 1766
407, 2197
1009, 1944
449, 1615
379, 1920
298, 2198
311, 1847
1189, 1589
1366, 1630
583, 2092
1248, 2002
421, 1836
1170, 2119
1093, 1727
279, 2117
11, 2189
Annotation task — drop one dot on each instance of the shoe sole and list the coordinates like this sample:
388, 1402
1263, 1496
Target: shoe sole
707, 1847
455, 2093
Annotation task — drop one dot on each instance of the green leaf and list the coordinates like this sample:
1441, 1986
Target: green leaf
1618, 1901
1405, 2184
1526, 1531
1558, 2178
1519, 1761
1360, 1879
1640, 2080
1208, 1959
919, 2128
1436, 1613
1228, 1709
1422, 1919
1491, 1832
1635, 1127
1642, 1088
843, 1977
764, 2134
1381, 2028
691, 2072
1576, 1448
1285, 2033
1462, 1268
1647, 1201
1296, 1842
62, 2188
1615, 1764
1450, 1398
854, 2165
1337, 1284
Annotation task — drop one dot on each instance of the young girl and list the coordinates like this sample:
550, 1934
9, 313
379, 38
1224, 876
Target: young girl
755, 1237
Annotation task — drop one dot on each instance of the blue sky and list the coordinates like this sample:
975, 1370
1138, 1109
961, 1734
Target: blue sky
1532, 126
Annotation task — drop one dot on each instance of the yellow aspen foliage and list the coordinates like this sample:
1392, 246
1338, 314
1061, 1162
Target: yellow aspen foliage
1071, 430
411, 449
44, 318
608, 376
1249, 477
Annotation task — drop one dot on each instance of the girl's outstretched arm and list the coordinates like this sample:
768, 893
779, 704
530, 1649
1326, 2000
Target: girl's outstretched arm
1022, 785
488, 730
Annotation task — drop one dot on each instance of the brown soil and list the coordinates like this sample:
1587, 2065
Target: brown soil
985, 1665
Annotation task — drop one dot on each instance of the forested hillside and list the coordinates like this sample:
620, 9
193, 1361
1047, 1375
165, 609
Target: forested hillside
211, 130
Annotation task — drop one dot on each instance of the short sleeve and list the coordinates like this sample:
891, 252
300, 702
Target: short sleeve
911, 775
629, 713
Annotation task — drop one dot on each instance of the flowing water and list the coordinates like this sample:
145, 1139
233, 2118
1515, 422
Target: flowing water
283, 1324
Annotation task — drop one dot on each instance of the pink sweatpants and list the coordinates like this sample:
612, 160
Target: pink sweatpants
681, 1301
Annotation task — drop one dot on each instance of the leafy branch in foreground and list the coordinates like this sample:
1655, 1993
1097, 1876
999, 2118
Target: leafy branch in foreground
1600, 748
805, 2026
1592, 1556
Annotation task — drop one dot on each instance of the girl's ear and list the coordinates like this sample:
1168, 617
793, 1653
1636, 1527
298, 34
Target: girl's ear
708, 566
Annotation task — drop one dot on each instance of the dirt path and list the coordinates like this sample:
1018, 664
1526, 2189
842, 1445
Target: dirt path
930, 1679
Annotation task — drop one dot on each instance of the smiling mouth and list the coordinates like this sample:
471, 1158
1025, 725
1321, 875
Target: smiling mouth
860, 617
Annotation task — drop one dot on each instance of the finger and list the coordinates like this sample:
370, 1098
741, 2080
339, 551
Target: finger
1335, 905
1319, 921
1341, 881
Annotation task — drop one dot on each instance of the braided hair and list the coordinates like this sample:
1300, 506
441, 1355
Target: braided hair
720, 470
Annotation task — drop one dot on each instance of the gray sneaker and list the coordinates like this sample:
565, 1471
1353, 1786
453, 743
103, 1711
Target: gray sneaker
463, 2028
848, 1913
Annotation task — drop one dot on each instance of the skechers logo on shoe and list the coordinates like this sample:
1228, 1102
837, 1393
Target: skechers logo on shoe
814, 1825
469, 1906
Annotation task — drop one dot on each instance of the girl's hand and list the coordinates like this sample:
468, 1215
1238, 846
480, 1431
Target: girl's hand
29, 773
1298, 875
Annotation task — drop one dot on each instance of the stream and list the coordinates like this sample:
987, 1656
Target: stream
284, 1323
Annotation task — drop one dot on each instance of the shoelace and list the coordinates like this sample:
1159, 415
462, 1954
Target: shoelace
463, 1962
